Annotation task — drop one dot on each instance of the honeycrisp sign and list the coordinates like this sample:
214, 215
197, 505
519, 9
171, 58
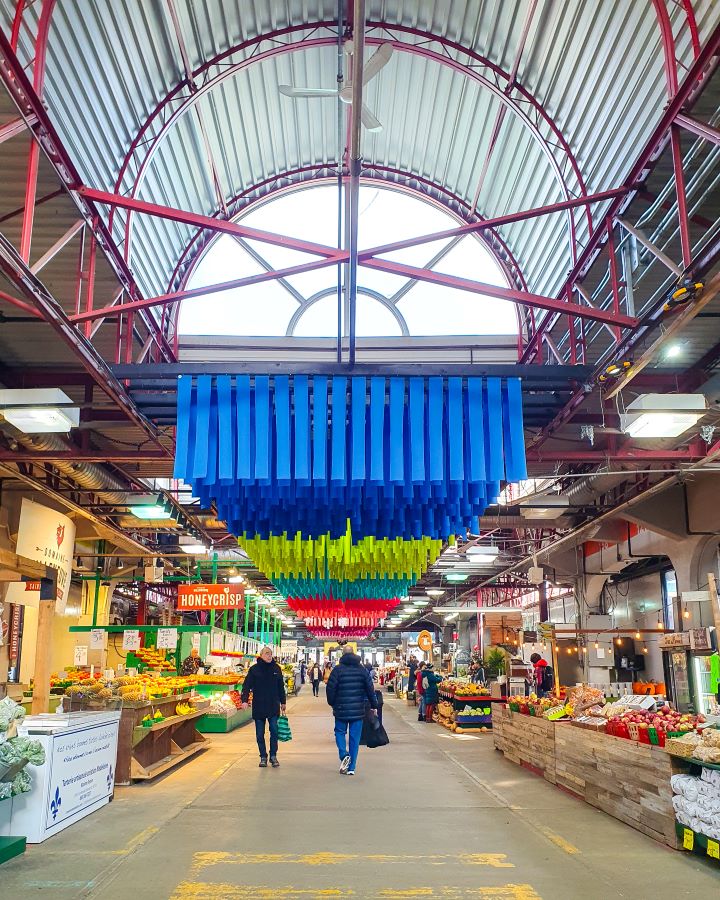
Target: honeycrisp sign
194, 597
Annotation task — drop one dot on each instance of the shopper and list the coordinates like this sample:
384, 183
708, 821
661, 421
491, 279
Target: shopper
303, 671
265, 680
191, 664
419, 690
412, 670
349, 688
431, 680
315, 674
543, 675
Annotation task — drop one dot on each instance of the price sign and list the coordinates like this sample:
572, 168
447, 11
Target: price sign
98, 639
689, 839
713, 849
131, 640
80, 657
195, 639
167, 638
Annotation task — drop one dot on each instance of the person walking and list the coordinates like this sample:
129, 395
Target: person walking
420, 691
349, 688
431, 680
265, 680
315, 674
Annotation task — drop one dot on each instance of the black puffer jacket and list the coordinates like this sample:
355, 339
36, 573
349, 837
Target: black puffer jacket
350, 688
267, 684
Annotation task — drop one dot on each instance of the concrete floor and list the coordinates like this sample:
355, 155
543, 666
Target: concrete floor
431, 815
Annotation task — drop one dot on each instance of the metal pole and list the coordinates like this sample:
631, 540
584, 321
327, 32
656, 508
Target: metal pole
681, 197
340, 76
247, 617
355, 164
213, 576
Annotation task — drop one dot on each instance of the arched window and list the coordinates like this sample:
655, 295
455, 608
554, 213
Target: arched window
306, 305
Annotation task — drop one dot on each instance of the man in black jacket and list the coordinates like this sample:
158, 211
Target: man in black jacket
265, 680
349, 689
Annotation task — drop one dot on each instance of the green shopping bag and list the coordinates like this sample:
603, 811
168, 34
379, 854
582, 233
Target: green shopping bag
284, 733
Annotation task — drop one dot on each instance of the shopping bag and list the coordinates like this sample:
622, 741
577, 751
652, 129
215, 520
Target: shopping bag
284, 732
376, 737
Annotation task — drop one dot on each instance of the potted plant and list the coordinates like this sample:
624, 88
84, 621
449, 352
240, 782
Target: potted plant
495, 662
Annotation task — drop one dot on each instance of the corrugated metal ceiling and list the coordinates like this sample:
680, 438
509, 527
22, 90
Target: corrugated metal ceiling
595, 67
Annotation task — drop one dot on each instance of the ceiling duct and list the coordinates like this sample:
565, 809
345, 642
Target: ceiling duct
88, 475
586, 490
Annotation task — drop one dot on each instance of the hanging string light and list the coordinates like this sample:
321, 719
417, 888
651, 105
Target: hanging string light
637, 635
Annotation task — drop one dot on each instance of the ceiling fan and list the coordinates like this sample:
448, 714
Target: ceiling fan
377, 61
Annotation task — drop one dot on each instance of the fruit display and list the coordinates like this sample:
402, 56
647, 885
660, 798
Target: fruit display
652, 727
154, 659
218, 679
148, 721
461, 687
552, 706
184, 708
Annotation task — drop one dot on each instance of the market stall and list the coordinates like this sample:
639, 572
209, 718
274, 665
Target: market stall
464, 706
613, 756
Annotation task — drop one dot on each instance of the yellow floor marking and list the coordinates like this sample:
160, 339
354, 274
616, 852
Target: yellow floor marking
198, 890
140, 839
558, 841
204, 860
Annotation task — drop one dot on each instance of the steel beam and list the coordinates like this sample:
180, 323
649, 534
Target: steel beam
15, 127
648, 244
200, 221
700, 71
61, 242
31, 107
701, 129
355, 162
81, 456
489, 290
603, 456
42, 300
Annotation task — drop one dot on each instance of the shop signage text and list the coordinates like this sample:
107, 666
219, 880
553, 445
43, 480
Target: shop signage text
47, 537
210, 596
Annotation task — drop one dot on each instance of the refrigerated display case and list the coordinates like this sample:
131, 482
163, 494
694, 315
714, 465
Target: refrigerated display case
706, 698
679, 679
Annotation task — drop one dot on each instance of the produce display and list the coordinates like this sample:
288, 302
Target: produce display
184, 708
461, 687
704, 747
652, 727
154, 659
697, 802
148, 720
218, 679
552, 706
16, 752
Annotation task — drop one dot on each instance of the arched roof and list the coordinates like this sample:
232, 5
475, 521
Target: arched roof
490, 106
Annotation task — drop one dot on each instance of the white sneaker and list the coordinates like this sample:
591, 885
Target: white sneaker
344, 765
350, 772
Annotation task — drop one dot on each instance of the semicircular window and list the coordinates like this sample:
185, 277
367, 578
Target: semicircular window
307, 304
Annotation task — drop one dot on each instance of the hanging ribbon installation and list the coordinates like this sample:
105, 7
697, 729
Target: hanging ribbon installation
397, 457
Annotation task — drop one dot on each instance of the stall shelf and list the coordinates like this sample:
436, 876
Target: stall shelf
145, 753
626, 779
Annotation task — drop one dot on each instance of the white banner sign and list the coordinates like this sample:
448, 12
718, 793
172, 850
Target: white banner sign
195, 639
98, 639
131, 640
48, 537
288, 648
167, 638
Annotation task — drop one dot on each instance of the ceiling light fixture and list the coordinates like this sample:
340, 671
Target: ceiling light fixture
434, 592
662, 415
456, 577
39, 410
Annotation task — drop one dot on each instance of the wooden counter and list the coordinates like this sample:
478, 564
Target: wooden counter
626, 779
147, 752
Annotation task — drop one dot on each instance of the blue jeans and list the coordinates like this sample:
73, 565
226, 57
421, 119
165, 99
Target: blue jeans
260, 735
355, 729
421, 710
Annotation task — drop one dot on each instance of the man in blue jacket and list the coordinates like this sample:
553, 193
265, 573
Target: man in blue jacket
349, 689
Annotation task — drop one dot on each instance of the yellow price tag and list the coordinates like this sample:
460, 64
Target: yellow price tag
713, 849
688, 839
